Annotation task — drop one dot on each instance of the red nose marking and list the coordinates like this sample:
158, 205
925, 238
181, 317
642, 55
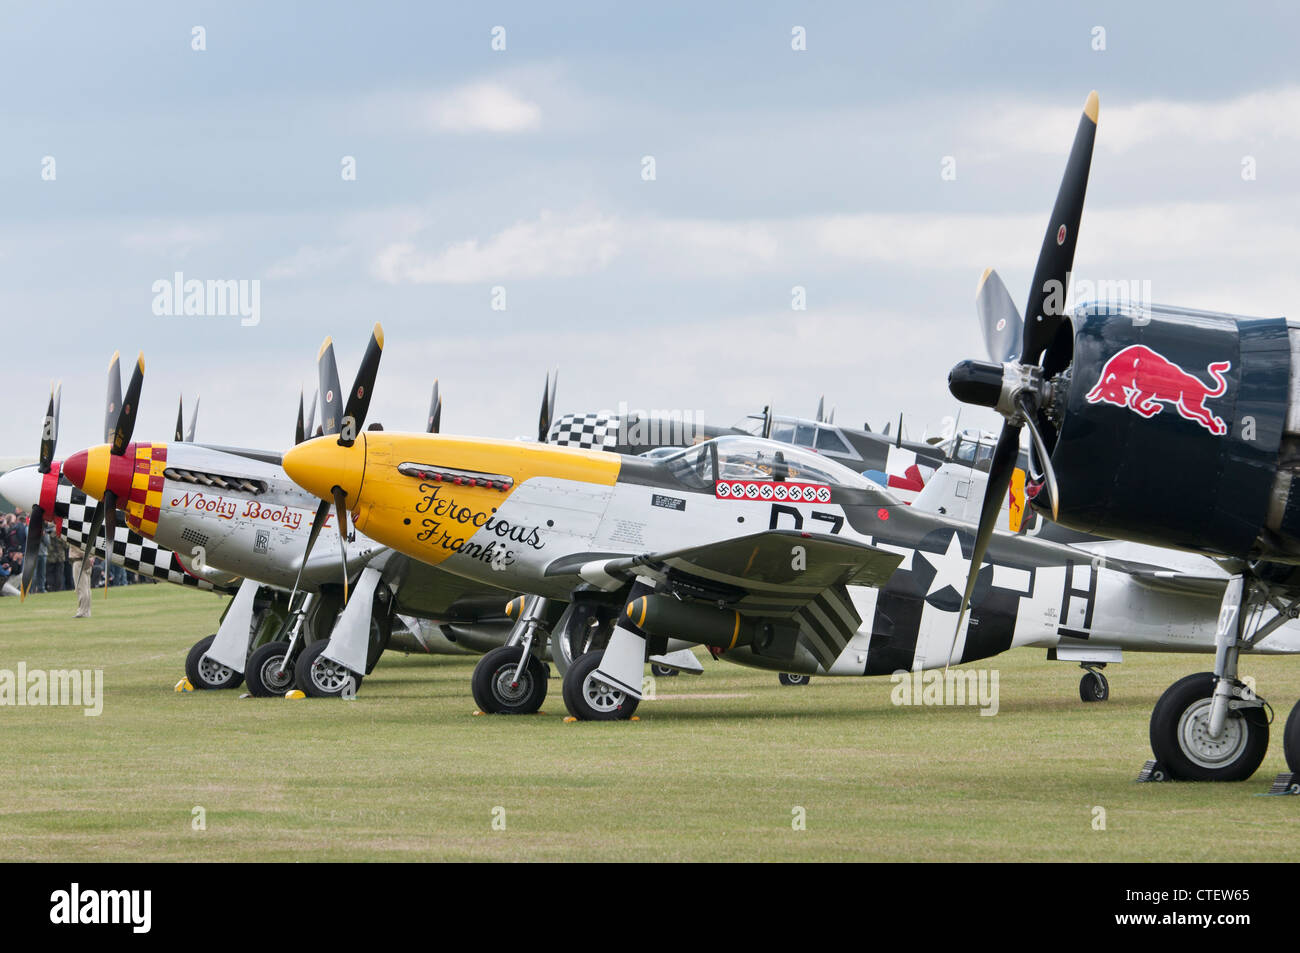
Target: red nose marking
50, 488
74, 468
120, 470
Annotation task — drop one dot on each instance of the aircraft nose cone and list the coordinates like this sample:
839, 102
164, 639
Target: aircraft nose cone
74, 468
21, 486
321, 464
95, 470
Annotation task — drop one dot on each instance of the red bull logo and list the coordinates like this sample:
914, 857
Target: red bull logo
1143, 381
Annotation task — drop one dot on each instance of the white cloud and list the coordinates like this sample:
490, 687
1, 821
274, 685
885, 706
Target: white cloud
548, 246
1265, 115
482, 107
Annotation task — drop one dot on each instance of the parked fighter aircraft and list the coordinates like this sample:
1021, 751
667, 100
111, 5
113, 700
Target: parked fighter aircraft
1164, 425
899, 464
772, 554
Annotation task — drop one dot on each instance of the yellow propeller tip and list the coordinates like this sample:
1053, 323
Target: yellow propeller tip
117, 356
139, 361
324, 346
379, 334
983, 278
1091, 106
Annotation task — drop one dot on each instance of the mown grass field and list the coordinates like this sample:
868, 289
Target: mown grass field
713, 770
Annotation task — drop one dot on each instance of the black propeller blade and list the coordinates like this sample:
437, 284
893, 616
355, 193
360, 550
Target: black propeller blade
1046, 304
347, 423
300, 432
547, 415
1016, 388
35, 528
123, 428
180, 420
125, 424
311, 415
354, 414
341, 517
999, 319
36, 521
322, 511
435, 411
821, 408
113, 402
50, 429
331, 400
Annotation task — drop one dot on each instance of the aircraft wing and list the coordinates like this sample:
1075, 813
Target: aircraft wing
783, 566
779, 573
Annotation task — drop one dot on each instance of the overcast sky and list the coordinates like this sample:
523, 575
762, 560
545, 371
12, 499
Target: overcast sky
523, 168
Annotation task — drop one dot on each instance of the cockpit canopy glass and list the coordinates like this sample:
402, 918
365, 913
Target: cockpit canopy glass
750, 458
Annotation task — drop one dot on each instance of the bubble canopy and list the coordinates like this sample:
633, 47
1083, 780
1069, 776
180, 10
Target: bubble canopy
752, 458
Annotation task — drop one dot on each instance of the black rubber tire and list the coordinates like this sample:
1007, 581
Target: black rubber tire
321, 678
1246, 734
491, 682
604, 703
1291, 740
1093, 687
261, 668
662, 671
796, 681
204, 675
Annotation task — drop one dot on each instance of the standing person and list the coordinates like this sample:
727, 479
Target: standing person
56, 560
75, 559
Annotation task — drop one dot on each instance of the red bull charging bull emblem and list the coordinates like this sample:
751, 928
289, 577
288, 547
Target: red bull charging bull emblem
1142, 380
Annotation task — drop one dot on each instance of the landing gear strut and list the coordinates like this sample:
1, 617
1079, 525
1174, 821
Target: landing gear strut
1093, 687
270, 669
511, 680
1212, 726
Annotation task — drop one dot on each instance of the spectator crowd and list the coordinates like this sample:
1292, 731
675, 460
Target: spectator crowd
56, 559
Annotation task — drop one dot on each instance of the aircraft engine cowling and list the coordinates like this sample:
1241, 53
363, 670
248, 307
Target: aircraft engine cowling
1176, 427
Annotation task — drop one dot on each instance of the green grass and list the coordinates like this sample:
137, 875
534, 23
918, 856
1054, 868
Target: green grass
407, 771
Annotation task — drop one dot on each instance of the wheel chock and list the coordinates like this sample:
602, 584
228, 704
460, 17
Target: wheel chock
1288, 782
184, 685
1154, 770
294, 694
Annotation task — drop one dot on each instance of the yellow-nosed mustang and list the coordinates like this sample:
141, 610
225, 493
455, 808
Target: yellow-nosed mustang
770, 555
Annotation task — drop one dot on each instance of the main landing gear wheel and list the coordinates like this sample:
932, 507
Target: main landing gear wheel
269, 672
786, 678
1093, 687
205, 673
495, 689
662, 671
1291, 740
321, 678
1180, 736
590, 699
